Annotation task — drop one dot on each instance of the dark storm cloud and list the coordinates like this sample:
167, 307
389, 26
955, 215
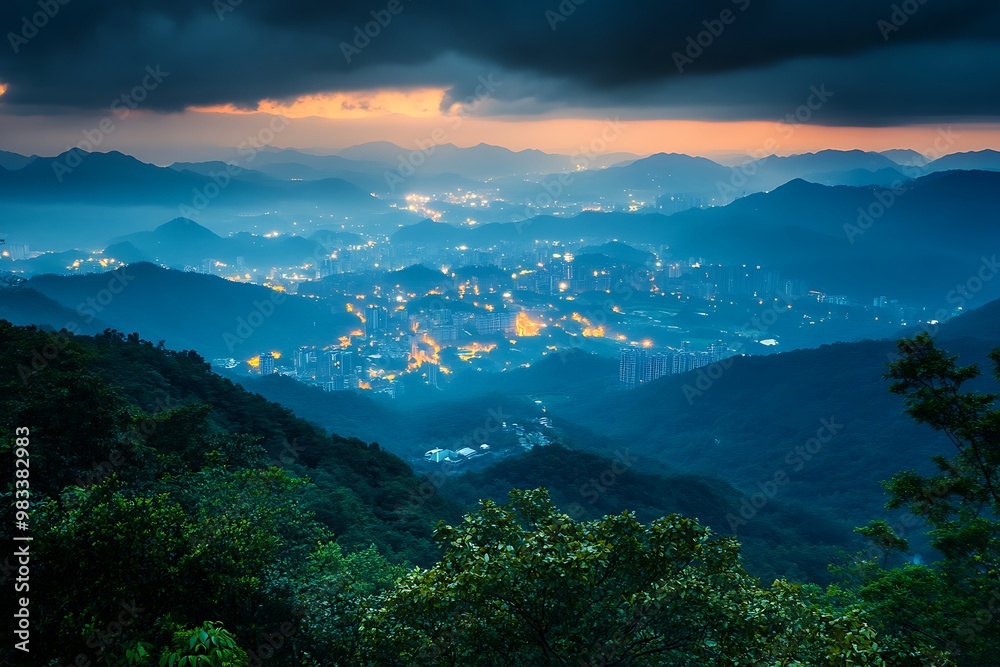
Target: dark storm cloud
925, 60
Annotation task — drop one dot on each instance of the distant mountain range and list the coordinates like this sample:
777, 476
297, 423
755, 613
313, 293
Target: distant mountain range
915, 240
987, 160
45, 201
773, 171
14, 161
697, 181
906, 157
121, 179
217, 317
366, 166
480, 162
617, 251
183, 242
918, 240
77, 198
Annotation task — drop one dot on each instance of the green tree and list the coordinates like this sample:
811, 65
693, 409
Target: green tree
207, 646
951, 604
335, 592
523, 584
881, 534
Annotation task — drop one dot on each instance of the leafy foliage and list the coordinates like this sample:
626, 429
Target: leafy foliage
180, 519
778, 539
155, 504
207, 646
952, 603
522, 584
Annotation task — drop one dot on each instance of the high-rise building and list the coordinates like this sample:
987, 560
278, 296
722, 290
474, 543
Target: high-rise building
342, 364
441, 316
630, 366
444, 333
17, 251
376, 319
305, 361
656, 366
492, 323
266, 364
324, 365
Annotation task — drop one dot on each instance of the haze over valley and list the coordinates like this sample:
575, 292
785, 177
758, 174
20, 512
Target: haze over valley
414, 334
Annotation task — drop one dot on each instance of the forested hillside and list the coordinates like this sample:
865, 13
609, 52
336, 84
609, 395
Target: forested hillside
178, 519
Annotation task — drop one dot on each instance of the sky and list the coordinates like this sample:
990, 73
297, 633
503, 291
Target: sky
186, 79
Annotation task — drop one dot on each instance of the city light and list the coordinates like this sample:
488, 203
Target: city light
526, 327
473, 351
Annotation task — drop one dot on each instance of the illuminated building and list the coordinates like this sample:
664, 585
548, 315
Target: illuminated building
342, 364
376, 319
656, 366
266, 364
492, 323
630, 366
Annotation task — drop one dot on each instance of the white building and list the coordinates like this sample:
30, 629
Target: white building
438, 455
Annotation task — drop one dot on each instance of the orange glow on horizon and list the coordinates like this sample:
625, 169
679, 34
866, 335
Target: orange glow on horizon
347, 119
417, 103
